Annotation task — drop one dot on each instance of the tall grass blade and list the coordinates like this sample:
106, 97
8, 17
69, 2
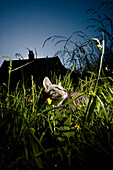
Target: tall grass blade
22, 66
42, 149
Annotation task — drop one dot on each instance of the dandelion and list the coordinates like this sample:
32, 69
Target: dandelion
30, 101
49, 101
77, 127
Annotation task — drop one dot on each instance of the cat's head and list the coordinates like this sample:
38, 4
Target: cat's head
56, 92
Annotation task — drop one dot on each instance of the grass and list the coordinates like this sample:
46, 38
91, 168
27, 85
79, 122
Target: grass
35, 135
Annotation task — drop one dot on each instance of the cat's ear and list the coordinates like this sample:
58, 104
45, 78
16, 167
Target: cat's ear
59, 84
46, 83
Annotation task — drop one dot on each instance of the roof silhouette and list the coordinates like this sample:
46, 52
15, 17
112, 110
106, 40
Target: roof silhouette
23, 69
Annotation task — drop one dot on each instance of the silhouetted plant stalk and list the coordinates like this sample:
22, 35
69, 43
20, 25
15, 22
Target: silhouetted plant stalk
33, 94
102, 54
94, 96
74, 52
9, 79
102, 21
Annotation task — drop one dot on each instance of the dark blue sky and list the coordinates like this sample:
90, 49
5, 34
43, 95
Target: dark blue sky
27, 23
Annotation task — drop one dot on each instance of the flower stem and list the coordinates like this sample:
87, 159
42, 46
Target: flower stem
102, 54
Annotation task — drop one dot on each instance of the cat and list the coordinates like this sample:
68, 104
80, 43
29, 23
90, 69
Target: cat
59, 95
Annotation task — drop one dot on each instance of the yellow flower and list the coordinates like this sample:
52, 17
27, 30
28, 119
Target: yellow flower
30, 101
49, 101
77, 127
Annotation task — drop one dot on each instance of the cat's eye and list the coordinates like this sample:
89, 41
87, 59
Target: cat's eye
52, 90
64, 90
60, 89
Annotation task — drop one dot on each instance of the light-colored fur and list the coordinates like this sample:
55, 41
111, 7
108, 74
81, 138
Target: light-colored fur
60, 96
56, 92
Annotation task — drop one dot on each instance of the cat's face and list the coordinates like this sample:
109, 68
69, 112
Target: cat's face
56, 92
